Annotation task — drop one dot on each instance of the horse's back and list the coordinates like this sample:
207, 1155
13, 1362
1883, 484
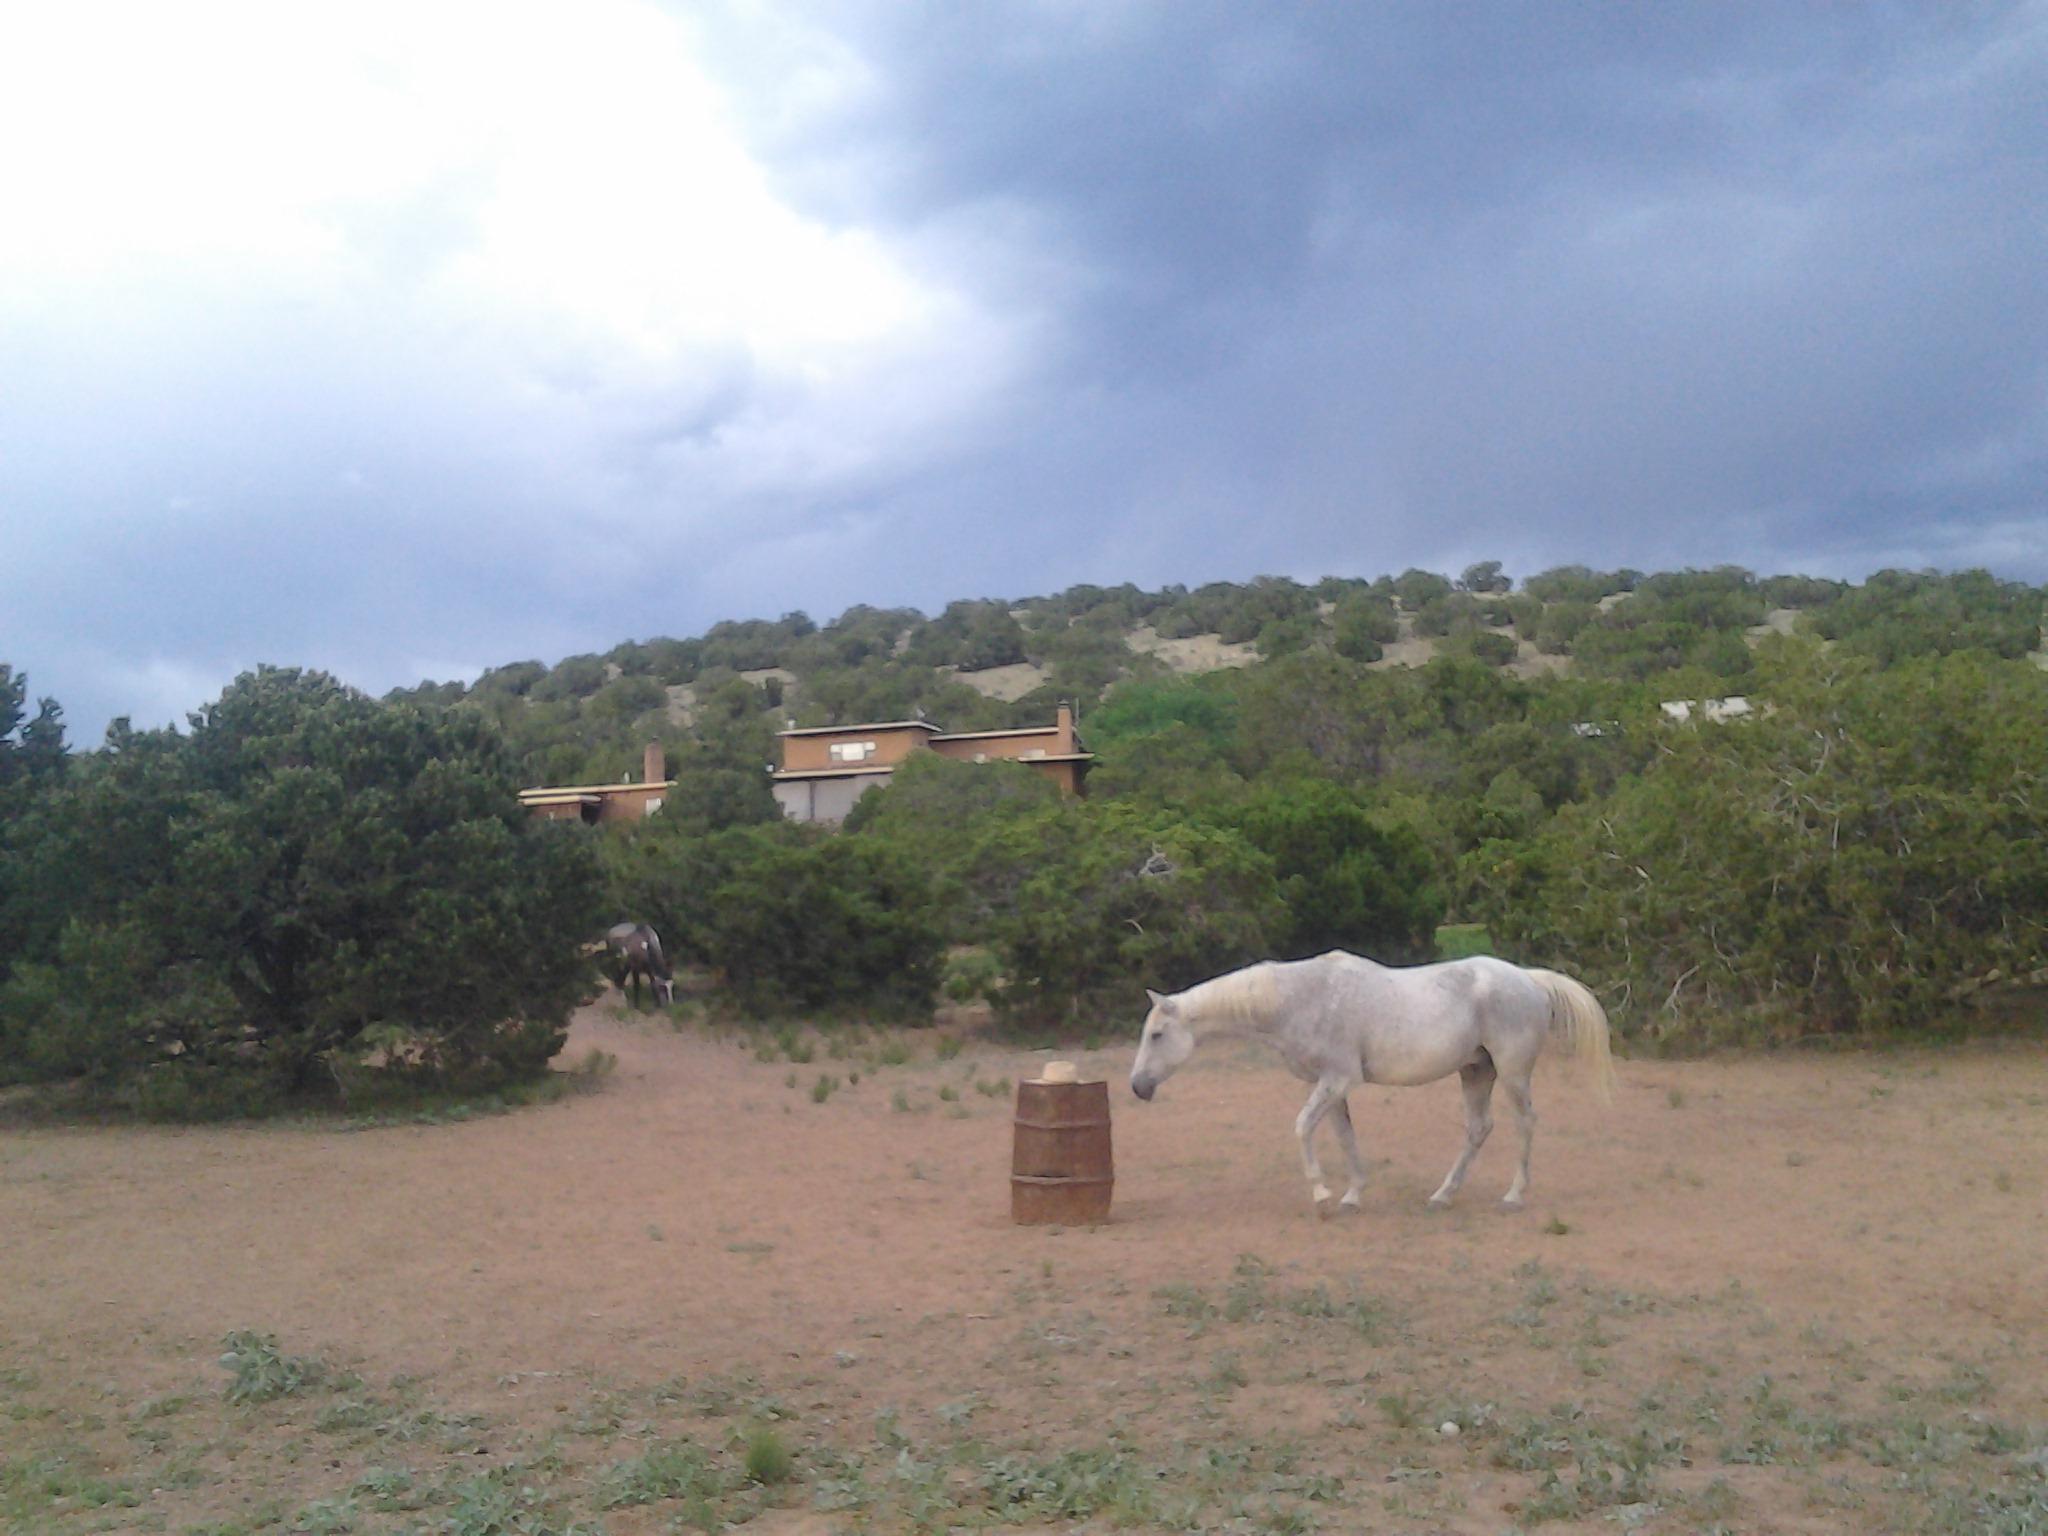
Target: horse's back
1475, 976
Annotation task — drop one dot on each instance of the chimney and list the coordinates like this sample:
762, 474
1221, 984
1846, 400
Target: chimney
1065, 721
653, 765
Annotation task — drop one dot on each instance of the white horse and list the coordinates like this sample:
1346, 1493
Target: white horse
1339, 1021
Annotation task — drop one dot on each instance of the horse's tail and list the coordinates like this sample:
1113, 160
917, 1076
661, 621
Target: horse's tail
655, 956
1577, 1017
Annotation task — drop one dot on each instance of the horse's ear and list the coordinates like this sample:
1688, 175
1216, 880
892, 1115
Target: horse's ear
1158, 998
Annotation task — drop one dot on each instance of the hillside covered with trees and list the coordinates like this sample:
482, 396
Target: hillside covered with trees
1282, 768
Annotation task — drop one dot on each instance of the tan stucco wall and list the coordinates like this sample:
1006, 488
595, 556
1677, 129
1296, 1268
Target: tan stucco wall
802, 753
630, 804
569, 812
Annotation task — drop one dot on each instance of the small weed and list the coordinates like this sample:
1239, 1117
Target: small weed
351, 1413
949, 1094
768, 1460
261, 1371
1227, 1376
949, 1047
1556, 1228
678, 1470
2002, 1182
894, 1053
992, 1089
1675, 1098
823, 1088
161, 1407
717, 1396
900, 1102
1795, 1159
1402, 1411
1183, 1300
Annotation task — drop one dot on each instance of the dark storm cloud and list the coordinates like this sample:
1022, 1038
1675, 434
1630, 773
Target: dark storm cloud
1369, 284
1137, 292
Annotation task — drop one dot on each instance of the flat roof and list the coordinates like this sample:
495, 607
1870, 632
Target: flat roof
848, 730
848, 772
1019, 730
590, 791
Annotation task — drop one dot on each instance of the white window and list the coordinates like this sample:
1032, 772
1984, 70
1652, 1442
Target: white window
852, 751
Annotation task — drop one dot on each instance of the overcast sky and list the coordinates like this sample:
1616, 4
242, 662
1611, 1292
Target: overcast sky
408, 339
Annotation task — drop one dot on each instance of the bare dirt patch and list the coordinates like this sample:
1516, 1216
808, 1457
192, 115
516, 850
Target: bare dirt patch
1008, 683
1192, 653
1779, 621
1406, 649
1855, 1234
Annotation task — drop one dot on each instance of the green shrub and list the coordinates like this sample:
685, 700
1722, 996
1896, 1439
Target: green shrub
1347, 879
839, 922
1852, 859
304, 869
259, 1371
768, 1460
1109, 898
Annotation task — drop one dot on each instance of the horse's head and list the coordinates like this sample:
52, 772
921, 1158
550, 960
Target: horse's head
664, 988
1165, 1044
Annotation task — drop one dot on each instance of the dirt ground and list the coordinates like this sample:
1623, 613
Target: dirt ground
1867, 1230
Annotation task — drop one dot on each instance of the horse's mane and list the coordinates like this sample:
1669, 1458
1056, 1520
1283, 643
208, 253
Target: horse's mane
1246, 997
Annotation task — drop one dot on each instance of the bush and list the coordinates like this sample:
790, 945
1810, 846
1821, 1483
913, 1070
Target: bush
1347, 879
1363, 626
1496, 650
1851, 860
306, 870
930, 814
1110, 898
840, 923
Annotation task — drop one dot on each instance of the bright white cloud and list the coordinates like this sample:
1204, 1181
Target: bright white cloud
567, 176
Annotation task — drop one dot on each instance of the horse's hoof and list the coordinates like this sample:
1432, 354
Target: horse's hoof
1438, 1204
1325, 1203
1347, 1207
1511, 1207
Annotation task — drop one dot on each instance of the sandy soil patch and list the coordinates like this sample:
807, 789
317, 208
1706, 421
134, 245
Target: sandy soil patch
703, 1217
1406, 649
1192, 653
1779, 621
1530, 662
1008, 683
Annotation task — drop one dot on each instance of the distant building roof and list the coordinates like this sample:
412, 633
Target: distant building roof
587, 792
848, 771
880, 725
1020, 730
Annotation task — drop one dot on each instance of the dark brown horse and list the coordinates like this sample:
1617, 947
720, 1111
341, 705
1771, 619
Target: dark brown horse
636, 951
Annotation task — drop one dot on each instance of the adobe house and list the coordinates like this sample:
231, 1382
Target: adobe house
592, 803
826, 768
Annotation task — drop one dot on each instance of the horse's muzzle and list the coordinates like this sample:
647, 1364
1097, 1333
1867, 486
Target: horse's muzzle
1144, 1088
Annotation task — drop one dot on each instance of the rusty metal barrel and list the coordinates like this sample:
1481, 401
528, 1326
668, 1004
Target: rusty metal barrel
1061, 1171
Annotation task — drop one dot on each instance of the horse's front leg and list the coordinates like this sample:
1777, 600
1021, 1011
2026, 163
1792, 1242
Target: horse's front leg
1477, 1080
1328, 1092
1347, 1140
